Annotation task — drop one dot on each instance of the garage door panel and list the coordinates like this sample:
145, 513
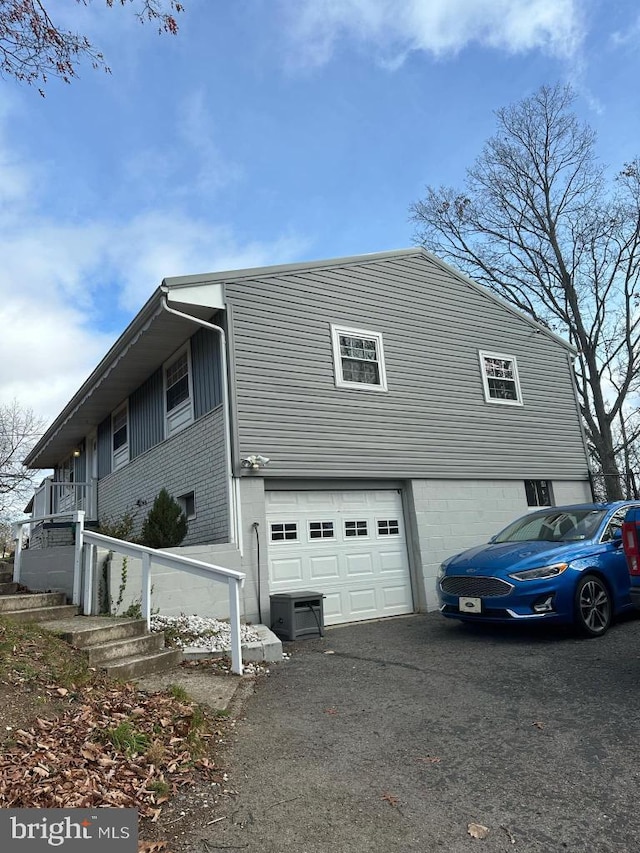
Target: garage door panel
362, 603
394, 597
360, 565
392, 561
333, 608
321, 568
286, 571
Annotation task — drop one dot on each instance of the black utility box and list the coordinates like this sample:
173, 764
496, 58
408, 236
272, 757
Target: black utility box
297, 614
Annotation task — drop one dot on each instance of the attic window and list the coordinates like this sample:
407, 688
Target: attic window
358, 359
500, 378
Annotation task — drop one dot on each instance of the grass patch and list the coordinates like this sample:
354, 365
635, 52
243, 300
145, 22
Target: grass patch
178, 692
127, 739
29, 653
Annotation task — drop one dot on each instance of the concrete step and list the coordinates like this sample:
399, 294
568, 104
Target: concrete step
132, 667
31, 601
83, 631
8, 588
41, 614
133, 647
117, 645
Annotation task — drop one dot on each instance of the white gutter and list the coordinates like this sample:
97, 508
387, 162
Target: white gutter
231, 489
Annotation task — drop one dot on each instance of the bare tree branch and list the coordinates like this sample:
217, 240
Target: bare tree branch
34, 48
537, 224
19, 431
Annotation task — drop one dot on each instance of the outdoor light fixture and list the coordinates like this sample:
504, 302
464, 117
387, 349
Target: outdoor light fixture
76, 452
255, 461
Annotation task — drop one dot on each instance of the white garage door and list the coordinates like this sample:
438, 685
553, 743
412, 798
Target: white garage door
349, 545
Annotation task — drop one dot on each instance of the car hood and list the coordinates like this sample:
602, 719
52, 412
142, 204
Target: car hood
512, 556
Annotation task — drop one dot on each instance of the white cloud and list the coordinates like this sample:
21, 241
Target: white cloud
56, 277
628, 37
394, 28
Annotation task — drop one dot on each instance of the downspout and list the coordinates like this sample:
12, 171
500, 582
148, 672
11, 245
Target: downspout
232, 497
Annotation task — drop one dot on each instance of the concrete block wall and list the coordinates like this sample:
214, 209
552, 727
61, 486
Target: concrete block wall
192, 460
448, 516
173, 592
254, 545
49, 569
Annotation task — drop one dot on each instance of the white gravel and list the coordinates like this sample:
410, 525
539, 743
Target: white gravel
213, 635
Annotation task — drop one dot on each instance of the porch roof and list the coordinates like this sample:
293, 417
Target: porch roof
150, 339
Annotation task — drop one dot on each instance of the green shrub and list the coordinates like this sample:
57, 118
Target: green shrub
166, 524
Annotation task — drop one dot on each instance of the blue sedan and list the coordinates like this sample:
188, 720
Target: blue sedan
562, 564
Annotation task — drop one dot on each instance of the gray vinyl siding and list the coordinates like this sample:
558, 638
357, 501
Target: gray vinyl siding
104, 448
146, 415
433, 421
205, 364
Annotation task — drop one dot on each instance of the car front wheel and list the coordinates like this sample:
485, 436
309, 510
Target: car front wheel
592, 606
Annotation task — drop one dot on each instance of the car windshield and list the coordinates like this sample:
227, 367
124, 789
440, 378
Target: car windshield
566, 525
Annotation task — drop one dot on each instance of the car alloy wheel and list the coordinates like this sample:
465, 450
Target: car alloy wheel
592, 606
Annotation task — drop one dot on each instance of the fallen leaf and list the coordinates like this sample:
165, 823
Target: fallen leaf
61, 691
538, 725
332, 711
430, 759
477, 830
391, 799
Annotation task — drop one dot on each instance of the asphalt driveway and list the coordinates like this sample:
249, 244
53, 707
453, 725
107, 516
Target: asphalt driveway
396, 735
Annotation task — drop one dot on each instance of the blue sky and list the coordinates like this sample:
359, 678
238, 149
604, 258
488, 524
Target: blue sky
266, 131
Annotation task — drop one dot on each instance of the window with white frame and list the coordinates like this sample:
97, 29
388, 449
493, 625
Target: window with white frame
177, 391
358, 359
321, 530
284, 532
120, 436
500, 378
355, 528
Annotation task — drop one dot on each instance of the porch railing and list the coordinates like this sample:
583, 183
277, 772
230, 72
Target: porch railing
86, 544
57, 496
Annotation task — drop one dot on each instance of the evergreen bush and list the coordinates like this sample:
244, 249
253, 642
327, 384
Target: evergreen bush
166, 524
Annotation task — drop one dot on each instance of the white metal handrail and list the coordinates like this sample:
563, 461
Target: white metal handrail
86, 542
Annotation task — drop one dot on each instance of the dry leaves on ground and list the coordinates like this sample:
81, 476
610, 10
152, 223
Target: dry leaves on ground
111, 747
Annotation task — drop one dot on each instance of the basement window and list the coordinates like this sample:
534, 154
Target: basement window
187, 503
539, 493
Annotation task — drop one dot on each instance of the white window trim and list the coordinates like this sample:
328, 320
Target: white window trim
336, 331
186, 404
120, 452
482, 354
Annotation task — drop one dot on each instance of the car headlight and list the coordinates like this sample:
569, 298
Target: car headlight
542, 573
441, 571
